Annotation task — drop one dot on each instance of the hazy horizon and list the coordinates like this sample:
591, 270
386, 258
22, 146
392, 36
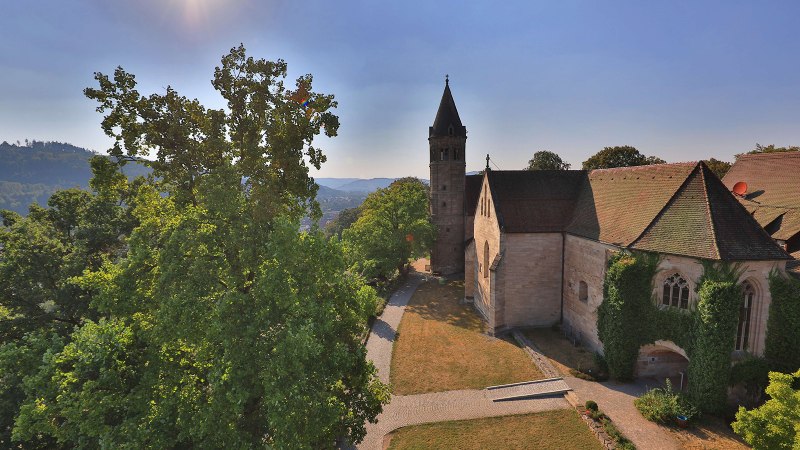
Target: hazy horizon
678, 81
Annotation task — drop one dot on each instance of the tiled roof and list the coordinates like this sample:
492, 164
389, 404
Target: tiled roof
618, 204
704, 220
447, 116
534, 201
680, 208
472, 191
773, 189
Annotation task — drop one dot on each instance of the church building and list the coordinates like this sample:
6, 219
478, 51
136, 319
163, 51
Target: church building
534, 245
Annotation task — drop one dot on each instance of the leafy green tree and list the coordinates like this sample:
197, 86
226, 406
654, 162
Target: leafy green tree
771, 148
776, 423
217, 324
342, 221
620, 156
394, 226
547, 160
720, 168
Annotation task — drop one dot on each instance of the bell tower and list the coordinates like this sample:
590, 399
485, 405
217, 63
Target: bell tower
447, 139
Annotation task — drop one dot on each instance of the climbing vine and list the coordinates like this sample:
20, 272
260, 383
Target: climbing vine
783, 325
629, 318
622, 323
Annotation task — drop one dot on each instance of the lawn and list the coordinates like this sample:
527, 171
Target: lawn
441, 346
560, 351
560, 429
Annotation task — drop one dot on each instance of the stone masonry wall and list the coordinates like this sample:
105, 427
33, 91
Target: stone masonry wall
486, 230
530, 279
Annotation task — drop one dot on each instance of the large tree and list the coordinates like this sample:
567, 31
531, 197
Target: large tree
216, 323
394, 225
776, 423
619, 156
547, 160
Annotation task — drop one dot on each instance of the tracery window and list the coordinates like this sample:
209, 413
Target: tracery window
676, 292
745, 311
486, 259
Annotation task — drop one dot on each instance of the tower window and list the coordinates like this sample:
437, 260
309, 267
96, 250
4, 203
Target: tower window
450, 130
444, 187
455, 154
444, 204
444, 154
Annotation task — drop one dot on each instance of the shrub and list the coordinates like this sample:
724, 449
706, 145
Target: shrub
664, 404
591, 405
783, 326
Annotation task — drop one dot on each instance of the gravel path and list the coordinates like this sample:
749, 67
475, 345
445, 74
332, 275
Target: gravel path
404, 410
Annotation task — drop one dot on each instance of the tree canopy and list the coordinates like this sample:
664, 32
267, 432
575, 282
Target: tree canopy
547, 160
771, 148
720, 168
619, 156
776, 423
394, 225
187, 310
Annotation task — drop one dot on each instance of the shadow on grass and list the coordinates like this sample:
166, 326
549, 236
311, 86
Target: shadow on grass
441, 302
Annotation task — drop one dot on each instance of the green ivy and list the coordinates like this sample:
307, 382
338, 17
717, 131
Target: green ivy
783, 325
710, 361
622, 323
629, 318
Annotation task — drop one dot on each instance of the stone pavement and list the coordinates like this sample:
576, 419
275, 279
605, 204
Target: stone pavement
384, 329
614, 399
527, 389
404, 410
407, 410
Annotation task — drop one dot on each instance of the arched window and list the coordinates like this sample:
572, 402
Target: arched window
489, 209
745, 311
676, 292
583, 292
486, 259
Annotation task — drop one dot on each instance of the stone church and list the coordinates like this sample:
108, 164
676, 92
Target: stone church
534, 245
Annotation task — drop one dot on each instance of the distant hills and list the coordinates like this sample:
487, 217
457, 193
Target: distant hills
30, 172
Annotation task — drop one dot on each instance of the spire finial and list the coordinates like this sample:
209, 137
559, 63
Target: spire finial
487, 160
447, 79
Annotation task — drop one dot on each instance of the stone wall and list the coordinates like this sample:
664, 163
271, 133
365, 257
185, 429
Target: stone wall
584, 260
529, 279
486, 233
447, 204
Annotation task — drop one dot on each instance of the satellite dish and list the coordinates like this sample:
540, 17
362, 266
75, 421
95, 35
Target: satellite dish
740, 188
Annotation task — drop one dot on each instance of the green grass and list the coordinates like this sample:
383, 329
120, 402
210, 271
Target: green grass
441, 346
560, 429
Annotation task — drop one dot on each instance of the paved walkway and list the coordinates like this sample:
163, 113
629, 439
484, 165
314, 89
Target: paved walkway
527, 389
404, 410
614, 399
384, 329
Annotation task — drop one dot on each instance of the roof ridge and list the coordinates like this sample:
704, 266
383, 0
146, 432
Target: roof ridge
644, 166
710, 215
663, 208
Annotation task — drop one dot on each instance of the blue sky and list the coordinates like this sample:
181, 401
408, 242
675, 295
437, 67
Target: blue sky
680, 80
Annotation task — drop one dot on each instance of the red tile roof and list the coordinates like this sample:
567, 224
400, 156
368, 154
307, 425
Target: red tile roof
773, 189
680, 208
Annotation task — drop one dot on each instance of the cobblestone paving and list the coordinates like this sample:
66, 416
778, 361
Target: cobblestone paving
407, 410
616, 400
528, 389
384, 330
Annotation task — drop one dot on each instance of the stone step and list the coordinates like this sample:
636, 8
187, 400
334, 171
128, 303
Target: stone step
527, 389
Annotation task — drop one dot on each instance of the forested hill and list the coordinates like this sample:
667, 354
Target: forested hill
30, 172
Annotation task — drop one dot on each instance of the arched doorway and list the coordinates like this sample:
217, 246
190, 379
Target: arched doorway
661, 360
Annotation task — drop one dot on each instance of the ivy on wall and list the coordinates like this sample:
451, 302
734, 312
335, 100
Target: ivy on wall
629, 318
715, 332
783, 325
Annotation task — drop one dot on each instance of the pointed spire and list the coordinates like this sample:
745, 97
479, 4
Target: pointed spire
447, 122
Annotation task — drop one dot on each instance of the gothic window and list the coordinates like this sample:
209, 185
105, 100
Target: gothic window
489, 209
444, 154
676, 292
455, 154
745, 311
486, 259
444, 187
583, 292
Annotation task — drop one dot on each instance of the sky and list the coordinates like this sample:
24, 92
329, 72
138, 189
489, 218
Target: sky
681, 80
